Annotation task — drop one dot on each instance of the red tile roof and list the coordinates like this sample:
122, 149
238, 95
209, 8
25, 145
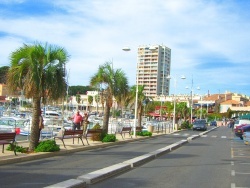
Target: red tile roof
230, 102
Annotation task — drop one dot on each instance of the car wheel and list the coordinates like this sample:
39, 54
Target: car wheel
241, 137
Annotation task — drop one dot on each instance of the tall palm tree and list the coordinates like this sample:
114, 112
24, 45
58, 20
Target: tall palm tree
169, 109
90, 101
39, 70
122, 97
141, 98
114, 84
97, 100
78, 100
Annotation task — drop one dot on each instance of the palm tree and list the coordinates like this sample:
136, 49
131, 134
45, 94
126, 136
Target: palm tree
97, 100
78, 100
122, 97
169, 109
40, 72
141, 98
114, 82
90, 101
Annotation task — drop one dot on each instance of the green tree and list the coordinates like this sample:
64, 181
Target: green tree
122, 96
111, 80
169, 108
3, 74
151, 106
90, 100
78, 100
141, 98
181, 110
73, 90
39, 70
97, 100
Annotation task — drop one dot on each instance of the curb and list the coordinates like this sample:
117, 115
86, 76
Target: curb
72, 183
104, 173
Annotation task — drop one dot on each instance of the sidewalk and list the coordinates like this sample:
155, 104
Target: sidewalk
8, 157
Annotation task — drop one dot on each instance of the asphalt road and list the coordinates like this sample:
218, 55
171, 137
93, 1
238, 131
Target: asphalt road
44, 172
215, 160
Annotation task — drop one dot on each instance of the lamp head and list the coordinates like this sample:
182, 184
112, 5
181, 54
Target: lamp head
126, 49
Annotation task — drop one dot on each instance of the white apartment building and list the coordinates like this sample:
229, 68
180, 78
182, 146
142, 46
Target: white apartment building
153, 68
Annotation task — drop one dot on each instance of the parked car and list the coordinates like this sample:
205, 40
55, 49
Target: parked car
240, 122
241, 129
213, 123
200, 124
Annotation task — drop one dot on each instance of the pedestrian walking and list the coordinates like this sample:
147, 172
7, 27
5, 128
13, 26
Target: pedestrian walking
85, 121
77, 120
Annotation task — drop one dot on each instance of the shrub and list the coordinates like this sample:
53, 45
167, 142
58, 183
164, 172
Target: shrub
186, 125
144, 133
97, 126
109, 138
96, 137
47, 146
20, 149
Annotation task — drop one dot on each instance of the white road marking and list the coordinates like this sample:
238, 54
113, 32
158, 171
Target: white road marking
244, 173
232, 163
233, 186
245, 163
232, 173
223, 137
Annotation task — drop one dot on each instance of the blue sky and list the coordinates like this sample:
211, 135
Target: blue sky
209, 39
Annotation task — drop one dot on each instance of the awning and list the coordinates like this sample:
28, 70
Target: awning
154, 114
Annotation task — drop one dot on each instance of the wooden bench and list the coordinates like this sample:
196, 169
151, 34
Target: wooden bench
8, 138
68, 134
91, 132
124, 131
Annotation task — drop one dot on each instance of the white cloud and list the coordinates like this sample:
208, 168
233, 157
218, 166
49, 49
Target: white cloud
94, 32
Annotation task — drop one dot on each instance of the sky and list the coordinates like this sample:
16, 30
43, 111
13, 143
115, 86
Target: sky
209, 39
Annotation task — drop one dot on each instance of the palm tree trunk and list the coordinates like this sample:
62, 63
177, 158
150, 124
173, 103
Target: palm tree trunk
140, 116
106, 118
34, 136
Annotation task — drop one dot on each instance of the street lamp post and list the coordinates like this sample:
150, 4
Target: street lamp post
201, 108
136, 94
175, 83
198, 88
191, 106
